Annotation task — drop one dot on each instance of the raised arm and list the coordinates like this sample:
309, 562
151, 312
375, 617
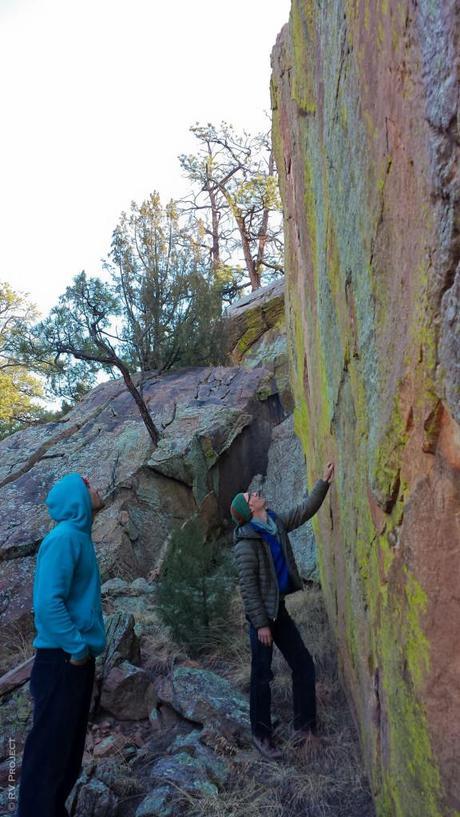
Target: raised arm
295, 517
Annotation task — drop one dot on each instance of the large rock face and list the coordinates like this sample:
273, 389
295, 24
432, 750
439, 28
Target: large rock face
215, 429
365, 102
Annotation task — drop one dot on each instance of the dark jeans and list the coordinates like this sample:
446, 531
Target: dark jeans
287, 638
54, 747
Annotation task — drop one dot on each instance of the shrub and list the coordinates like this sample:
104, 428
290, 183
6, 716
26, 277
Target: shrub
195, 587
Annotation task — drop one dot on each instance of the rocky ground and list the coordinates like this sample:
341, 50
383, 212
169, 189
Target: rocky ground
170, 736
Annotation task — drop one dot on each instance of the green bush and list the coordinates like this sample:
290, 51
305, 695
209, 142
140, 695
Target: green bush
195, 588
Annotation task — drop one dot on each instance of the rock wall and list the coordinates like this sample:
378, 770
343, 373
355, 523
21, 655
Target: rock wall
365, 103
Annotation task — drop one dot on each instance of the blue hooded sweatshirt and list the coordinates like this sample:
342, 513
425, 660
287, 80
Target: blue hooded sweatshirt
67, 584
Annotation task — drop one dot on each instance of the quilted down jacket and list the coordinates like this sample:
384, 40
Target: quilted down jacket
258, 580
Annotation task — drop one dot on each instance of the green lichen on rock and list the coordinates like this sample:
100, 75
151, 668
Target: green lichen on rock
303, 40
411, 783
366, 238
256, 331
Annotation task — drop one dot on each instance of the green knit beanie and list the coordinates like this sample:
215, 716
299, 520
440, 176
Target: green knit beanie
240, 510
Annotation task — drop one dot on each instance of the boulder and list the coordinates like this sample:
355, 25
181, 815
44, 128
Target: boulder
365, 132
122, 641
217, 769
202, 696
185, 771
92, 798
157, 804
135, 598
127, 692
96, 800
256, 330
215, 425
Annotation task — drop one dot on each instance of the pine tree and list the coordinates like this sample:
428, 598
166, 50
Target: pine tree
195, 588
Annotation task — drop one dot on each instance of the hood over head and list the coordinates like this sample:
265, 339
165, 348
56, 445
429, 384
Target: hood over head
69, 501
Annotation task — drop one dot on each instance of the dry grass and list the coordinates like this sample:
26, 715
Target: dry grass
16, 646
160, 653
324, 781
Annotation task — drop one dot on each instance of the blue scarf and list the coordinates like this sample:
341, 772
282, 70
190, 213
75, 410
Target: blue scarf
272, 540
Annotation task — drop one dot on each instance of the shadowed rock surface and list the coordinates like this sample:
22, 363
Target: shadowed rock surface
284, 487
365, 101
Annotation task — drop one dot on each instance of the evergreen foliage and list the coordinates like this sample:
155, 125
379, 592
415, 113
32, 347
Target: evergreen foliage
235, 206
170, 303
195, 588
19, 387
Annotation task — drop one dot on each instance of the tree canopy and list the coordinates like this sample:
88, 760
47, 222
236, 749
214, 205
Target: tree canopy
235, 204
169, 272
170, 302
158, 308
19, 387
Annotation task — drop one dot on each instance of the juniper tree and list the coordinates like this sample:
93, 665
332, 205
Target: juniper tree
169, 301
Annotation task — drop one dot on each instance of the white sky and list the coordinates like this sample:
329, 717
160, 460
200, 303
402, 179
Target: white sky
97, 99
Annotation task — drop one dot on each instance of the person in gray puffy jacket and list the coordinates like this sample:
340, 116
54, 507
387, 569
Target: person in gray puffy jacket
268, 573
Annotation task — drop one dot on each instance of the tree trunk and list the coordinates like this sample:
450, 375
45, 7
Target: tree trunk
262, 235
254, 274
215, 251
144, 412
253, 271
109, 357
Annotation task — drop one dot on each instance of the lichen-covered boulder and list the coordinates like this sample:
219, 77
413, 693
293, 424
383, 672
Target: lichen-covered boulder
256, 333
135, 598
215, 426
203, 696
365, 101
122, 641
104, 788
184, 770
157, 804
93, 798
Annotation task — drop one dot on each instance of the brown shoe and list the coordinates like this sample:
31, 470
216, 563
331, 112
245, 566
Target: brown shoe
267, 748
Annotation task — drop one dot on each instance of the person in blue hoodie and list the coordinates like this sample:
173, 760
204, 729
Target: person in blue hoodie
70, 633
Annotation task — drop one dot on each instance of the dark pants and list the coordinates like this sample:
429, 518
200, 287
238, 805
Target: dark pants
287, 638
54, 747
